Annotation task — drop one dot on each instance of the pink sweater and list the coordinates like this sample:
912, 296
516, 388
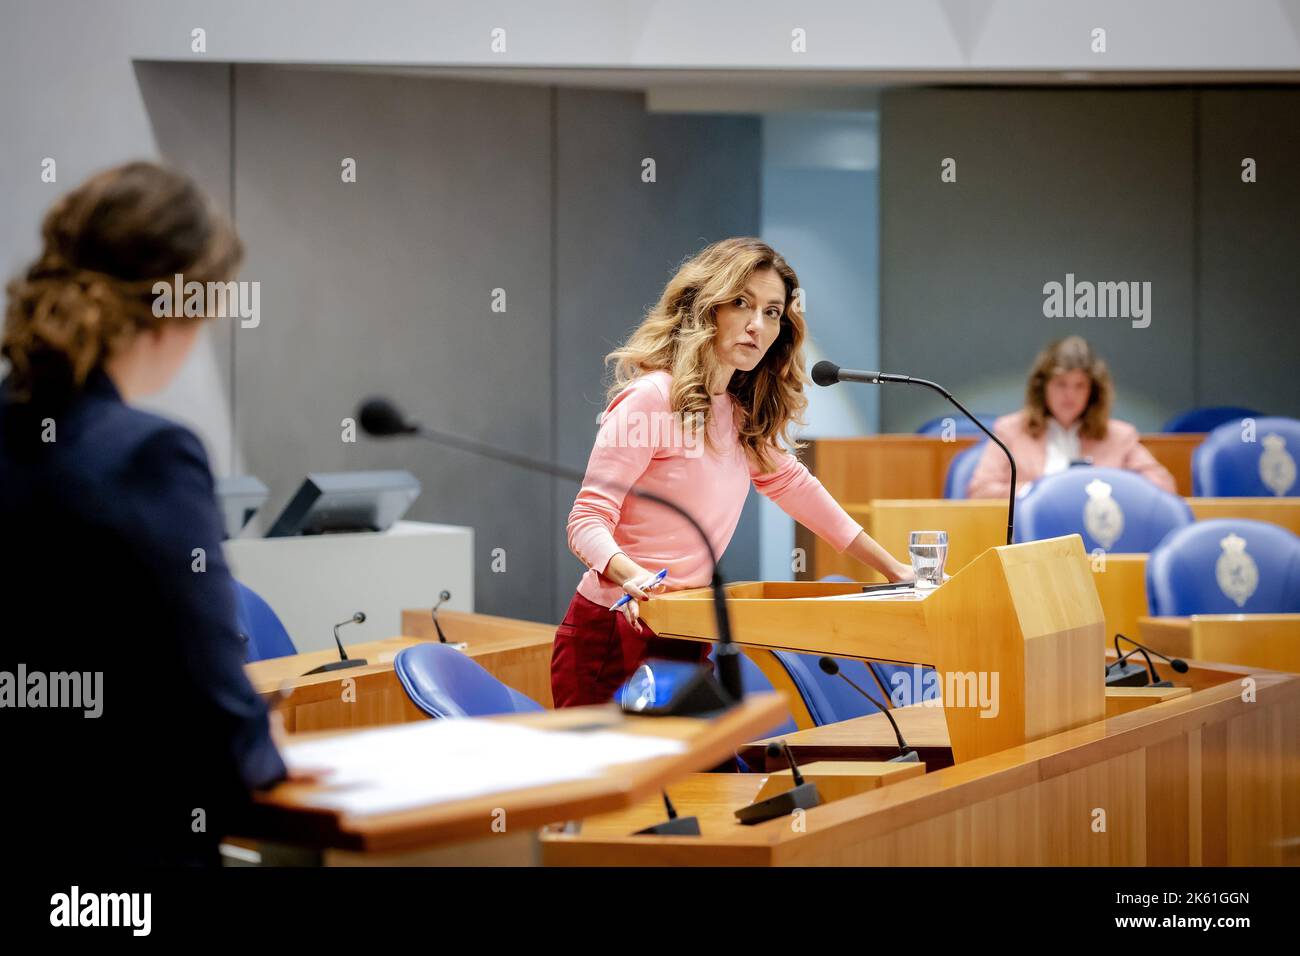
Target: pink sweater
637, 445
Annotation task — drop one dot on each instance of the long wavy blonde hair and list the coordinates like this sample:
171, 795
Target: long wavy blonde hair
677, 335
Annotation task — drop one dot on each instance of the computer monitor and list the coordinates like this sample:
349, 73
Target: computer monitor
342, 501
240, 497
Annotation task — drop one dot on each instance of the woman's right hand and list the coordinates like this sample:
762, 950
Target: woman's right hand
630, 577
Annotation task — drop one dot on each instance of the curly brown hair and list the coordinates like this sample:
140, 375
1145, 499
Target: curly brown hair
90, 291
1065, 355
677, 336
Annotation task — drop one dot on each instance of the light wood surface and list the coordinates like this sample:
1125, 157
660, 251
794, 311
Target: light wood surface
1269, 641
1026, 616
837, 779
1121, 700
867, 738
285, 815
1204, 779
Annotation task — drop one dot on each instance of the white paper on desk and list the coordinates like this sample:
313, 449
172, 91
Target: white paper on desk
904, 593
437, 761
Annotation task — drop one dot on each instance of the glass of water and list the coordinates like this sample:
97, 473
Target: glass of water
929, 551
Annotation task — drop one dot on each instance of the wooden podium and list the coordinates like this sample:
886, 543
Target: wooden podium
1022, 619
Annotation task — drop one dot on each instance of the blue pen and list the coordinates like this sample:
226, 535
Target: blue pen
654, 582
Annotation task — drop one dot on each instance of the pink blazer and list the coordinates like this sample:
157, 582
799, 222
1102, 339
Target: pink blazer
1119, 449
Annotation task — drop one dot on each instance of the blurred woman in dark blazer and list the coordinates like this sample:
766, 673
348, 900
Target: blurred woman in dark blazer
112, 545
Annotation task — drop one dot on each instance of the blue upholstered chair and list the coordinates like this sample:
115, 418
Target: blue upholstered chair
961, 469
754, 681
1113, 509
1207, 419
1226, 466
830, 699
259, 627
443, 682
1225, 566
962, 425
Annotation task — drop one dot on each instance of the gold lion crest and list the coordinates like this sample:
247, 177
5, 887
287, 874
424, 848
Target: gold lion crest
1102, 516
1236, 571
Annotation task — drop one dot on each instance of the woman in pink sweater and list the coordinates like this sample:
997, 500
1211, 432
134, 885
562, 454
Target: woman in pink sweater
1066, 419
705, 391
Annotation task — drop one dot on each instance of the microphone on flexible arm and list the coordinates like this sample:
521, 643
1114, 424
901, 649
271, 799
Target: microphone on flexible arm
1124, 675
444, 596
828, 373
906, 754
379, 418
344, 661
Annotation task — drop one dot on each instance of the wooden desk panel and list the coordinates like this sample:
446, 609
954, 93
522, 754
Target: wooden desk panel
1269, 641
1202, 780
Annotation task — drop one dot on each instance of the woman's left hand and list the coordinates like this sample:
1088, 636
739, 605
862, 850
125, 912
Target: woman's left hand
901, 573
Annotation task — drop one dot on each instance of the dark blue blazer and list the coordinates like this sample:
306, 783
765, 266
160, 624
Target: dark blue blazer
112, 563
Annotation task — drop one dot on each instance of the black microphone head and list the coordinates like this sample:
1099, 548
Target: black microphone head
380, 417
444, 596
828, 666
1179, 665
825, 373
359, 617
774, 749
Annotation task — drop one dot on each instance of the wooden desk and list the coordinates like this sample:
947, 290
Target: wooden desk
915, 466
1269, 641
715, 797
285, 815
975, 525
518, 653
862, 738
1206, 779
515, 652
1025, 615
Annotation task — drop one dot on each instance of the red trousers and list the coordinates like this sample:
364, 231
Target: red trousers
596, 650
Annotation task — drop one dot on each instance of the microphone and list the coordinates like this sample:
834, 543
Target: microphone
444, 596
674, 825
906, 754
802, 796
828, 373
1124, 676
344, 661
379, 418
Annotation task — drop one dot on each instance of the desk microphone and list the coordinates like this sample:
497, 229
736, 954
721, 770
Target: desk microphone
344, 661
828, 373
1124, 673
380, 418
674, 825
802, 796
906, 754
444, 596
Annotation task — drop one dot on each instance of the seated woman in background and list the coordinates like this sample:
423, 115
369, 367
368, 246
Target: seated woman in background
112, 568
1066, 420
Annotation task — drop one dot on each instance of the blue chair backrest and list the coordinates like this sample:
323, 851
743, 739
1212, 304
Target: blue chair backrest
1207, 419
1227, 465
754, 681
1225, 566
1113, 509
443, 682
961, 425
961, 469
830, 699
260, 627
